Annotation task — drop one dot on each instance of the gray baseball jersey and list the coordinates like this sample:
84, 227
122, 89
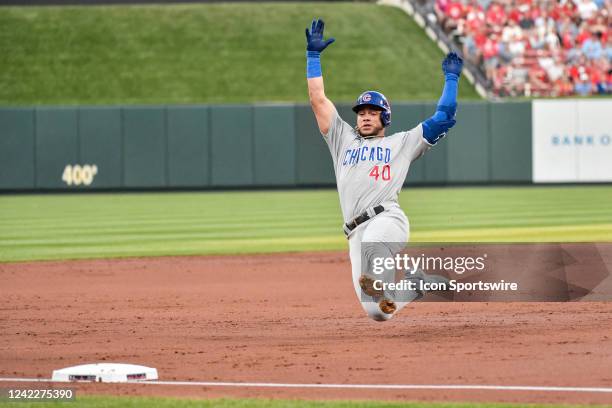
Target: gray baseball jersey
371, 171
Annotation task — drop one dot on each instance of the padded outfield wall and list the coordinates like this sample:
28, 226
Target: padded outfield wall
207, 147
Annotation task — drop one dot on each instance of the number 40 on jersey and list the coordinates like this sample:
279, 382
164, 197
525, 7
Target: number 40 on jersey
382, 172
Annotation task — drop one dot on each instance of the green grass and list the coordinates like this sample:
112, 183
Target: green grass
153, 224
213, 53
137, 402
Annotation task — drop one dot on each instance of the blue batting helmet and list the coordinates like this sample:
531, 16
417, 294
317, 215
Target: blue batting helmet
377, 100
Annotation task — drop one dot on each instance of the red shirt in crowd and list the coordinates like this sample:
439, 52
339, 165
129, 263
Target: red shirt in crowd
490, 48
496, 15
534, 13
560, 11
475, 18
480, 38
567, 40
515, 15
582, 36
580, 72
482, 25
539, 73
455, 10
595, 76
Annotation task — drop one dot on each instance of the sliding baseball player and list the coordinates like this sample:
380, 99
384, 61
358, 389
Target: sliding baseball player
370, 170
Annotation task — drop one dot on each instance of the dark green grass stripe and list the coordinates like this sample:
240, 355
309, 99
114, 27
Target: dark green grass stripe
257, 217
278, 229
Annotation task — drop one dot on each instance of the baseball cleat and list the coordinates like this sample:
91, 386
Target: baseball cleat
366, 282
387, 306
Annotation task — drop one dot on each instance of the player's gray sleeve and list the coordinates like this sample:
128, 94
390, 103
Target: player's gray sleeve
337, 135
415, 144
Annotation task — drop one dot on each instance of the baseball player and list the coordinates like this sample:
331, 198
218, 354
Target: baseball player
370, 170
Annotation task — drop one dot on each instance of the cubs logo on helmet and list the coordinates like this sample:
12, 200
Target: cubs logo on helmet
378, 100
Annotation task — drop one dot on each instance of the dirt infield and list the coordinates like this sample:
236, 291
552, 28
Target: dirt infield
290, 318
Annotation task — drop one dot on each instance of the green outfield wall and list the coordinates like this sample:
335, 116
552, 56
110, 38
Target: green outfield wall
152, 147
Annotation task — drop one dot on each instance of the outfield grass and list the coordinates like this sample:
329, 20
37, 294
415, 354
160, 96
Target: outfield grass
137, 402
153, 224
210, 53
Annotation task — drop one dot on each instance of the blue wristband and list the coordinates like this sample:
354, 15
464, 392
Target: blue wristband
451, 77
313, 64
449, 95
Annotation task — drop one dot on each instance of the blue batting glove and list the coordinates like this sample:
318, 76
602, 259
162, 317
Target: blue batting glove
314, 37
452, 65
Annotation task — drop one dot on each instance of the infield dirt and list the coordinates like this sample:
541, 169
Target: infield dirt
290, 318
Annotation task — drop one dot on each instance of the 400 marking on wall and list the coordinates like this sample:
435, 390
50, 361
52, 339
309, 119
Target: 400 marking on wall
76, 175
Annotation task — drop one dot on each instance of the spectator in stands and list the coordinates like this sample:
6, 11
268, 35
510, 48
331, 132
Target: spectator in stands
513, 12
527, 15
517, 46
567, 37
562, 87
592, 47
470, 51
518, 77
600, 27
554, 68
538, 80
581, 78
587, 9
544, 25
440, 9
495, 16
598, 81
536, 40
563, 9
512, 32
583, 33
475, 17
455, 13
490, 53
534, 47
505, 55
566, 26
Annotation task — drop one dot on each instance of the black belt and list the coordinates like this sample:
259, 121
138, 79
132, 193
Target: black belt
360, 219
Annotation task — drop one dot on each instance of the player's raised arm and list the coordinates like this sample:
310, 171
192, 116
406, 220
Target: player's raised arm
322, 107
436, 126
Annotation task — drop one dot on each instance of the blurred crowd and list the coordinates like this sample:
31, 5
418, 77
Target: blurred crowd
534, 47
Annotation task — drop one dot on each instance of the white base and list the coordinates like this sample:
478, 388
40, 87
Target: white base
105, 372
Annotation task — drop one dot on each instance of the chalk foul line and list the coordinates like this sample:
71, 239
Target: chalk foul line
468, 387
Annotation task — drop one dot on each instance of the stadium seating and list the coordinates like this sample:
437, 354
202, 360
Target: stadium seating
533, 47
